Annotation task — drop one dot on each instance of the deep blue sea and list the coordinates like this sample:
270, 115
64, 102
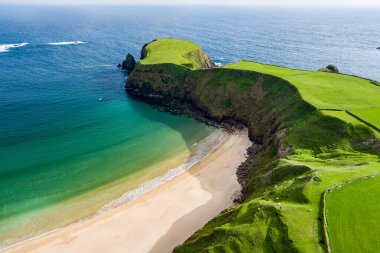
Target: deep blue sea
68, 128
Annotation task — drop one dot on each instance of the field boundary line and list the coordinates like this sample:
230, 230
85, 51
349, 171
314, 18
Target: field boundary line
362, 120
331, 109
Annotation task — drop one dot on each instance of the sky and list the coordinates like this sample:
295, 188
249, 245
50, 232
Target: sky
207, 2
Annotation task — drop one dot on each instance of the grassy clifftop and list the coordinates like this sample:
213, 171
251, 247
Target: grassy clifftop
313, 132
322, 89
180, 52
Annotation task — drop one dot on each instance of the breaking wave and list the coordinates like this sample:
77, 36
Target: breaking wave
62, 43
7, 47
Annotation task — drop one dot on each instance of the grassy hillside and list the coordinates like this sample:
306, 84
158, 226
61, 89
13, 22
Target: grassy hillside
328, 91
303, 149
370, 116
322, 89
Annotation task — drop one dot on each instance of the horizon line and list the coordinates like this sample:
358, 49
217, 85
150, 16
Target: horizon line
348, 5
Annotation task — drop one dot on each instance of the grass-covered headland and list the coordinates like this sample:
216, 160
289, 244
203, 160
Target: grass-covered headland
313, 133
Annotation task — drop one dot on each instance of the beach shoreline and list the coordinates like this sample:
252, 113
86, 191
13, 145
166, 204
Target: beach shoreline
85, 206
160, 219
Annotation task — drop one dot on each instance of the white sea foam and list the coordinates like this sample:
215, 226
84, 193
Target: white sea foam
62, 43
109, 66
6, 47
218, 64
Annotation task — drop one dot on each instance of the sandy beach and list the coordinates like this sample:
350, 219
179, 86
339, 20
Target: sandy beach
160, 219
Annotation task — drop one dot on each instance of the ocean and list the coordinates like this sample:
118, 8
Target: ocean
72, 140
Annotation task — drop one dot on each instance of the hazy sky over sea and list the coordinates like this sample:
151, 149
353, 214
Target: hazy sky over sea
205, 2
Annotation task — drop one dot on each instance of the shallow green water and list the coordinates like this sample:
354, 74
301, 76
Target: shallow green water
109, 141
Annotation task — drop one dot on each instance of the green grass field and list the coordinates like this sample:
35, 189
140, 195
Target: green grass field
171, 51
321, 89
353, 217
368, 115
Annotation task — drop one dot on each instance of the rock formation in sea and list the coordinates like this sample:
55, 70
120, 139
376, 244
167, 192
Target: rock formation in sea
128, 64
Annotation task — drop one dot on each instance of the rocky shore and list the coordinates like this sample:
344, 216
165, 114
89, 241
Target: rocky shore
177, 107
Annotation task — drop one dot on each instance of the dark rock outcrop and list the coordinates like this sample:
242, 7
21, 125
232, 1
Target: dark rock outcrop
330, 68
129, 63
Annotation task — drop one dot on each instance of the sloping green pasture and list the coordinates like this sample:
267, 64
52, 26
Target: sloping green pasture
321, 89
171, 51
371, 116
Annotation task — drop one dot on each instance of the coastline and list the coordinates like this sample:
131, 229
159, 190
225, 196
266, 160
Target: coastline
92, 203
160, 219
197, 152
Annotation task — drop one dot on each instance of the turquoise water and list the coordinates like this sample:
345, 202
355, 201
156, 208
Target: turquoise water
71, 139
67, 126
76, 153
60, 141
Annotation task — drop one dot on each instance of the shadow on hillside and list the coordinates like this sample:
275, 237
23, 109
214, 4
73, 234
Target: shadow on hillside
179, 231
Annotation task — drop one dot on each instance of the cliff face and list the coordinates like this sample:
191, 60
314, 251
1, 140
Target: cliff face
265, 104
